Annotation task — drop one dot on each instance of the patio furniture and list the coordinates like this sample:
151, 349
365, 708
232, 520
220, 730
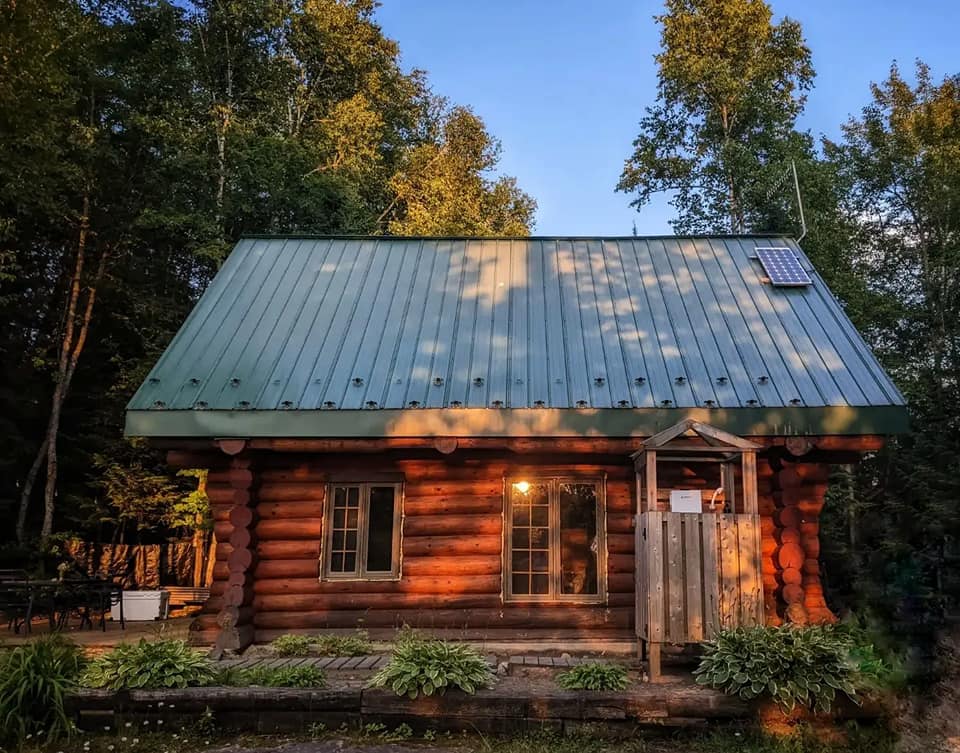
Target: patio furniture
16, 599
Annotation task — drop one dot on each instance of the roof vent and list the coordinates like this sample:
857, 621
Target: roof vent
623, 403
539, 404
153, 380
235, 382
599, 381
752, 402
194, 381
666, 403
721, 380
497, 404
456, 404
329, 404
200, 405
413, 404
286, 404
763, 379
680, 380
478, 381
159, 404
358, 381
243, 404
710, 403
582, 403
371, 404
438, 381
796, 401
640, 381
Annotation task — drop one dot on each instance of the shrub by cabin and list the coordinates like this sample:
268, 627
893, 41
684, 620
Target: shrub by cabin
550, 439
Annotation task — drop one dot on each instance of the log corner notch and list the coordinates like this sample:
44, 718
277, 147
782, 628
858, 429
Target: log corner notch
799, 490
235, 618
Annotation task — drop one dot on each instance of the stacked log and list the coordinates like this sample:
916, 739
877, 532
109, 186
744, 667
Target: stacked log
451, 567
798, 495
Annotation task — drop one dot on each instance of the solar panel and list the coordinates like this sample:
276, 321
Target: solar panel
783, 267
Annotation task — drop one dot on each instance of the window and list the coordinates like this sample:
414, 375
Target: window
555, 540
363, 531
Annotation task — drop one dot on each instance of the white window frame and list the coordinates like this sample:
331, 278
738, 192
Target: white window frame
360, 572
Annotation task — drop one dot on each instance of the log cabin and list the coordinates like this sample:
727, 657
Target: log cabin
542, 439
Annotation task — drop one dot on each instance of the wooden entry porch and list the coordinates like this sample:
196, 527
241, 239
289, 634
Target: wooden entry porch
698, 571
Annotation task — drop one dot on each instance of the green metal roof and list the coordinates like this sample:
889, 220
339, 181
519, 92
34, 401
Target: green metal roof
379, 336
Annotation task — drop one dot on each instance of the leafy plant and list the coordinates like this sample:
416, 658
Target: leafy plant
292, 645
345, 645
304, 676
432, 666
150, 664
792, 665
594, 676
34, 679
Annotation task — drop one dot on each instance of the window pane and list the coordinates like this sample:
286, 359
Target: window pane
540, 584
380, 529
343, 529
578, 539
526, 499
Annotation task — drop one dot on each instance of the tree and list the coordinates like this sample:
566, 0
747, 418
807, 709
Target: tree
445, 189
730, 86
139, 139
899, 165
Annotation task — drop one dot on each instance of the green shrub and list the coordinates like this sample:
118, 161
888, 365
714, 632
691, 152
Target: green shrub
34, 679
594, 676
150, 664
345, 645
792, 665
304, 676
432, 666
292, 645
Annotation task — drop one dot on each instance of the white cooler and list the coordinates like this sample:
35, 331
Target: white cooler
142, 605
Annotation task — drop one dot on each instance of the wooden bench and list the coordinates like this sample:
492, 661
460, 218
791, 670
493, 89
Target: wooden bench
183, 597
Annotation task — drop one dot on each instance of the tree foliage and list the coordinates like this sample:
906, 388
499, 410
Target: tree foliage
895, 525
150, 135
730, 86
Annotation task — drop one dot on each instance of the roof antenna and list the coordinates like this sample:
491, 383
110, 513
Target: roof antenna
796, 185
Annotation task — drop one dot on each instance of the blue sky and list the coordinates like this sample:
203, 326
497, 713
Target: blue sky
563, 83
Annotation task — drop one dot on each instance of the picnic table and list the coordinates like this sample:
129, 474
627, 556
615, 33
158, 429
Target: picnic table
23, 598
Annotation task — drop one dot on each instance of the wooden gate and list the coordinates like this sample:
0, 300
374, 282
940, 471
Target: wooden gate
696, 574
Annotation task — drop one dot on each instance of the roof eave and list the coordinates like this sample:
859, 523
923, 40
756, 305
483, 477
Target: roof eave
521, 422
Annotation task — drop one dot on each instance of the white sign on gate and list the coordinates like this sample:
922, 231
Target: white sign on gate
685, 500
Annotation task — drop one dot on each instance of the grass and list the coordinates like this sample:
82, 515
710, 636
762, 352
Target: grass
323, 645
206, 735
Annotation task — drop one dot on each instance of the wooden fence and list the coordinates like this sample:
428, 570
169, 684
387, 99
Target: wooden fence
137, 565
696, 574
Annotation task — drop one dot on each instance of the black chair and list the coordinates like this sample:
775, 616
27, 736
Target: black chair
16, 600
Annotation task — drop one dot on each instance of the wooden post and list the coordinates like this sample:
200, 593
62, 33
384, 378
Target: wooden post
655, 673
235, 618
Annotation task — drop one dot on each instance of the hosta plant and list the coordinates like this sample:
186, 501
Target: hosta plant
150, 664
292, 645
433, 666
34, 679
357, 644
792, 665
594, 676
304, 676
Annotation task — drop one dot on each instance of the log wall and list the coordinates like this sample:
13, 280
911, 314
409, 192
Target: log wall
452, 536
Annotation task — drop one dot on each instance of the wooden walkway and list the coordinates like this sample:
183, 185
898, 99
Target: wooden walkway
378, 661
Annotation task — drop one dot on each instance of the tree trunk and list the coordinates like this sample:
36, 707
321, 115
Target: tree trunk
72, 346
27, 490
